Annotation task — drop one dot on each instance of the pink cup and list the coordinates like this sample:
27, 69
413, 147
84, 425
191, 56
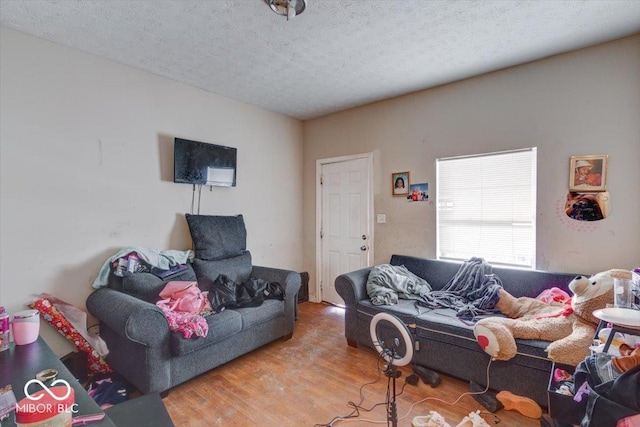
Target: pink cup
25, 327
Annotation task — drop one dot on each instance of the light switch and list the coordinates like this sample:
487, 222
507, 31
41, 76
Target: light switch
381, 218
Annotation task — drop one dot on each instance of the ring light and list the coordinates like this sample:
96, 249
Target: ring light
386, 349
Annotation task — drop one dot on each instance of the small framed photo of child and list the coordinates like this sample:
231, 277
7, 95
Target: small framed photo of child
400, 183
588, 173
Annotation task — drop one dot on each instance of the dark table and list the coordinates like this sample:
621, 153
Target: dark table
21, 363
143, 411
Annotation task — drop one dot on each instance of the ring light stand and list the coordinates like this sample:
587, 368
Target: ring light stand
392, 340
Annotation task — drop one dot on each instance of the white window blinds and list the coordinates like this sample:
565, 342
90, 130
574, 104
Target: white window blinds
487, 207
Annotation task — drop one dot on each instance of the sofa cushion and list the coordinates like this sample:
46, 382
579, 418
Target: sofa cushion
147, 286
445, 320
268, 310
217, 237
238, 269
405, 310
221, 326
437, 273
530, 283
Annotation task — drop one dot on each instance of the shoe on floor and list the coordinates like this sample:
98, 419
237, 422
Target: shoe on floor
524, 405
473, 420
485, 397
434, 419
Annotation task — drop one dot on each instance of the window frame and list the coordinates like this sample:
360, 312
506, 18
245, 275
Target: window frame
532, 223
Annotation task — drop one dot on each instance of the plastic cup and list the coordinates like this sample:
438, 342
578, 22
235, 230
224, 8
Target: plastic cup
622, 293
25, 327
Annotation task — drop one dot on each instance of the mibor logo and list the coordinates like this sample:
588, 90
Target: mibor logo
47, 390
37, 406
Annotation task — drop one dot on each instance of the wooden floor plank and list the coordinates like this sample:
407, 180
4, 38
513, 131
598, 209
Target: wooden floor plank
309, 380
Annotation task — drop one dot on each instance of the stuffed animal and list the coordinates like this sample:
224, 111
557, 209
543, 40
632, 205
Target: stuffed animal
570, 327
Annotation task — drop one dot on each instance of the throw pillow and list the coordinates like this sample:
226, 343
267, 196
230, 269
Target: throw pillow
237, 269
217, 237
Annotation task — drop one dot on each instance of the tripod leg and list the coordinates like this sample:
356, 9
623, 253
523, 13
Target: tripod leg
393, 408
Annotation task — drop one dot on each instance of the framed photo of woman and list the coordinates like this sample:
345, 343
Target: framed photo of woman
400, 183
588, 173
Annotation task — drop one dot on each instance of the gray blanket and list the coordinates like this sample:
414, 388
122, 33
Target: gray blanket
471, 292
386, 283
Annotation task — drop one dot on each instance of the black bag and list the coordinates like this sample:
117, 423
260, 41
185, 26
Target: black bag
251, 293
274, 290
225, 293
613, 400
222, 294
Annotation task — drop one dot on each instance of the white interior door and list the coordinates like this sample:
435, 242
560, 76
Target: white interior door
346, 225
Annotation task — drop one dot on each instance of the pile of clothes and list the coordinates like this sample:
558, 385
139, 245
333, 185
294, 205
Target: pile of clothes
185, 306
473, 291
137, 259
610, 386
108, 392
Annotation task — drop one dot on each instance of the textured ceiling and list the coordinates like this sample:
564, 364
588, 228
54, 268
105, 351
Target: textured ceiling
336, 55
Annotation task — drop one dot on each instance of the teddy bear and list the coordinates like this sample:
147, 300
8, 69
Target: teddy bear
570, 327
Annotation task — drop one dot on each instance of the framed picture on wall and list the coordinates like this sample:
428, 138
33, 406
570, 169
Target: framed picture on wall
588, 173
418, 192
400, 183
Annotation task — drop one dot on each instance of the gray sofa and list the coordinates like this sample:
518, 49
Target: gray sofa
143, 349
445, 343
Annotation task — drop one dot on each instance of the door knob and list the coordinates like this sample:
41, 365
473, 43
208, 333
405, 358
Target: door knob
364, 237
363, 247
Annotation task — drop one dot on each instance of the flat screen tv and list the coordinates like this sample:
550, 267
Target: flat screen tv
205, 164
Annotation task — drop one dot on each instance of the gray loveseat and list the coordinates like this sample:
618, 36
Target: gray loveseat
445, 343
143, 349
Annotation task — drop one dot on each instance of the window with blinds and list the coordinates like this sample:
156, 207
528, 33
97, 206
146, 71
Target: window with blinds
487, 207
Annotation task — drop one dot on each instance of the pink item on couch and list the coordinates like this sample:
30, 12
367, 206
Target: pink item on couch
185, 296
554, 296
182, 304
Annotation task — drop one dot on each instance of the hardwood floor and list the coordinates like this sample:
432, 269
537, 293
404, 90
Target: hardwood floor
309, 380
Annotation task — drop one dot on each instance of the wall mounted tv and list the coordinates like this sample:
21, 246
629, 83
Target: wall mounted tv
205, 164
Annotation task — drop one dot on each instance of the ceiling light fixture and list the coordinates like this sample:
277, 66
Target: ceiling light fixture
288, 8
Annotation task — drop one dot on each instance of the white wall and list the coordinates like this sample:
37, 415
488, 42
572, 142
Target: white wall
580, 103
86, 150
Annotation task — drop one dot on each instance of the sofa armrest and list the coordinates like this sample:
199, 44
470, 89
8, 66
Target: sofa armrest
132, 318
352, 286
290, 280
